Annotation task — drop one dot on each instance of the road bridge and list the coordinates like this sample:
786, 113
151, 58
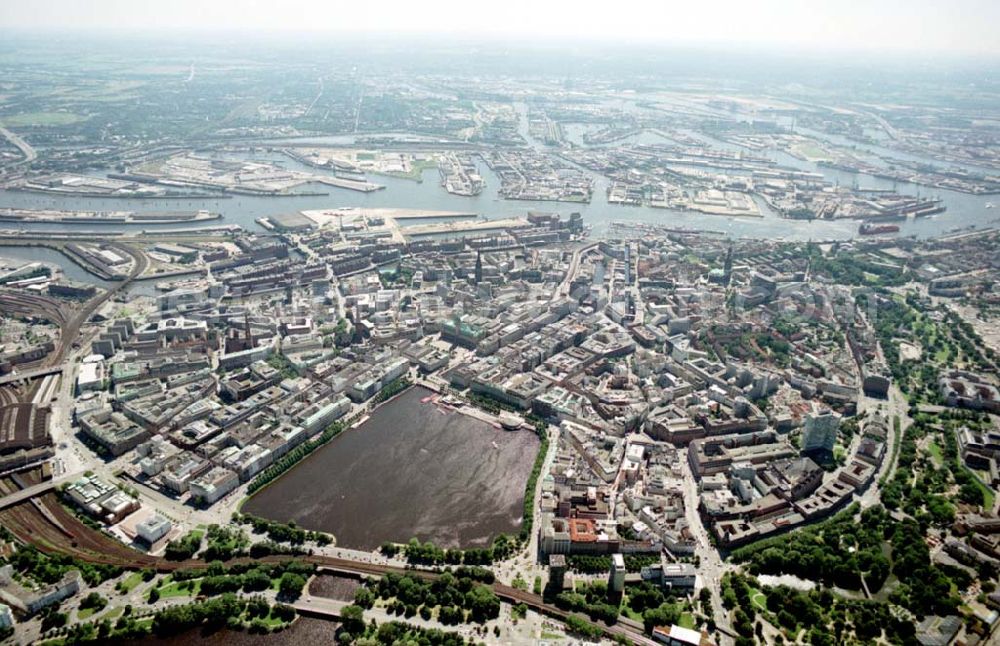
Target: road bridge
31, 373
321, 607
26, 149
39, 489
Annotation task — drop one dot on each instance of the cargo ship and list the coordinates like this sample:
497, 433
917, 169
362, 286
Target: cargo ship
869, 229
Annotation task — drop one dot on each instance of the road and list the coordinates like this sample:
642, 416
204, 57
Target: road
526, 562
29, 374
55, 363
319, 606
574, 266
314, 101
710, 566
29, 153
36, 490
886, 126
68, 336
356, 564
336, 559
897, 406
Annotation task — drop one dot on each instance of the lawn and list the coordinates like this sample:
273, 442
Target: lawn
935, 452
174, 589
272, 621
130, 582
40, 119
631, 614
810, 150
105, 93
987, 493
87, 613
84, 613
686, 620
416, 173
758, 599
113, 614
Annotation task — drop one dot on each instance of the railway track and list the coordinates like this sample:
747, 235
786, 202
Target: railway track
34, 305
44, 522
68, 317
52, 529
8, 395
71, 329
59, 531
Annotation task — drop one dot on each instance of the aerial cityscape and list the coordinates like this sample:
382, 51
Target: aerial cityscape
411, 340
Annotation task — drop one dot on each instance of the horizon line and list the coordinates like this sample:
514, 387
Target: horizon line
522, 40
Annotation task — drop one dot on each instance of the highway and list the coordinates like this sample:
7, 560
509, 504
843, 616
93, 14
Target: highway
29, 153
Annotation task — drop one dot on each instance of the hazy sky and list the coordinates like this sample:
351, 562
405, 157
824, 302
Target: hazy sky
938, 27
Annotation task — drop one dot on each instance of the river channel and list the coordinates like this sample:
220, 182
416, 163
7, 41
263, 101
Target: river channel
963, 210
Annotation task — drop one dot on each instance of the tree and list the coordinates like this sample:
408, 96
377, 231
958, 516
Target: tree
664, 615
364, 598
578, 626
53, 620
93, 600
645, 596
283, 612
482, 603
256, 581
258, 607
291, 585
450, 615
352, 620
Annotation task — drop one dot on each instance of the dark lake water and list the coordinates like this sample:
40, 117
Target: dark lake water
413, 469
334, 587
303, 631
